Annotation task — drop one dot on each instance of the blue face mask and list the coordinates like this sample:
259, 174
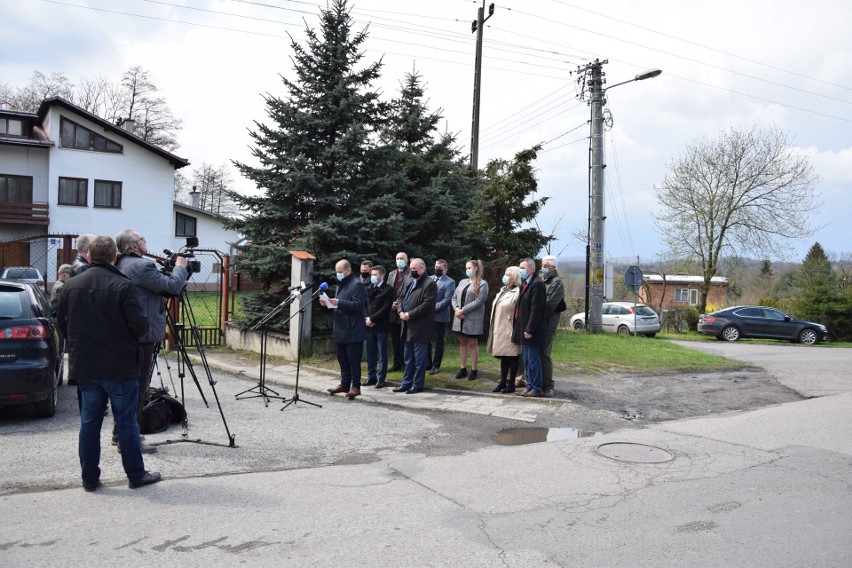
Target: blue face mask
374, 281
545, 271
400, 264
340, 276
523, 274
469, 273
505, 280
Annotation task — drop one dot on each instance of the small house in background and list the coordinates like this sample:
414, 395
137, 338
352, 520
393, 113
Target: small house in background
672, 291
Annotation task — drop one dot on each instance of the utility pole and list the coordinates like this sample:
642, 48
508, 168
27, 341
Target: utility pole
477, 27
592, 77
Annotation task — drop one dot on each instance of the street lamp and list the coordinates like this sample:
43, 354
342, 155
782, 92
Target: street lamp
595, 246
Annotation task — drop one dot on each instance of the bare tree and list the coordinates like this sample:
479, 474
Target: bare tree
155, 122
41, 86
214, 187
747, 191
99, 96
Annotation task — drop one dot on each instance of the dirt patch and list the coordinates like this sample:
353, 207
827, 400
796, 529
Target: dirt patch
656, 398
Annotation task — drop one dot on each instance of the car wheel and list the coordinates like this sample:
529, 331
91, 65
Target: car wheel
47, 407
730, 333
807, 336
578, 325
623, 330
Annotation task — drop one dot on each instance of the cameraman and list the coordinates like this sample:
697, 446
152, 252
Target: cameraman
151, 285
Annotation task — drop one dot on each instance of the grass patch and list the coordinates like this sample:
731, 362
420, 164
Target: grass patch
573, 353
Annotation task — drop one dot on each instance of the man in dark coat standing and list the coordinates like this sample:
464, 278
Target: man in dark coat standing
530, 330
417, 314
349, 329
379, 299
100, 314
398, 280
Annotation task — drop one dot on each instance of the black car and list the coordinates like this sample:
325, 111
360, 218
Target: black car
31, 364
731, 324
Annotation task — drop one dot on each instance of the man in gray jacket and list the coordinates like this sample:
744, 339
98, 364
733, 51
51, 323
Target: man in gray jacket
553, 310
150, 285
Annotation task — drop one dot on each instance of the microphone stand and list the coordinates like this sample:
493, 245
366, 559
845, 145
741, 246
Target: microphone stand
295, 398
261, 390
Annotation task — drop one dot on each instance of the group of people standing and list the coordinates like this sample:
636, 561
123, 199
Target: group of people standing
415, 309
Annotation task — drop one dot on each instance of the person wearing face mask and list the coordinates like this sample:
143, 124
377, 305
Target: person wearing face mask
397, 280
417, 314
530, 329
379, 299
366, 270
500, 331
555, 305
469, 308
446, 287
349, 329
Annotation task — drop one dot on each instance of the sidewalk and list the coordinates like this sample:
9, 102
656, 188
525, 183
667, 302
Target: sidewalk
317, 380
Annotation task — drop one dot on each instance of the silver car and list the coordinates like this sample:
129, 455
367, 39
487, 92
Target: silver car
619, 317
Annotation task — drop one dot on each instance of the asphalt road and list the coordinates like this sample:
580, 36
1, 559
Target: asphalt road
811, 370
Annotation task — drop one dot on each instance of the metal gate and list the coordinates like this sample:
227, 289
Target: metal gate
201, 305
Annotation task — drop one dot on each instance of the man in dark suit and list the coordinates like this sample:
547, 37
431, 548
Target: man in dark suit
446, 288
398, 280
349, 329
379, 299
417, 314
530, 330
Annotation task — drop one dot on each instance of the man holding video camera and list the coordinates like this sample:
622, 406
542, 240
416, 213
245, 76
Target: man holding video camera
151, 285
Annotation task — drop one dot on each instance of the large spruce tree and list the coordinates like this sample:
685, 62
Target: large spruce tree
437, 190
318, 166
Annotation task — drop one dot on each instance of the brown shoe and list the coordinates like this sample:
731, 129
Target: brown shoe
532, 394
337, 389
353, 392
522, 393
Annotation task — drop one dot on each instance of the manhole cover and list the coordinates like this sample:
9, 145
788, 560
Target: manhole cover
634, 453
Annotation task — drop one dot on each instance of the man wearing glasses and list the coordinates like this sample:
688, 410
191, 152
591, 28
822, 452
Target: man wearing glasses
151, 285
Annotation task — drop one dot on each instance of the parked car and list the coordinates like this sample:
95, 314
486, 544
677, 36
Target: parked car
31, 364
738, 322
25, 273
618, 317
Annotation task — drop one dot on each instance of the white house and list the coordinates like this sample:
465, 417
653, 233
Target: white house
65, 171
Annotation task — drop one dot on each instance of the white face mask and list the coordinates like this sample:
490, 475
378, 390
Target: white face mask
340, 276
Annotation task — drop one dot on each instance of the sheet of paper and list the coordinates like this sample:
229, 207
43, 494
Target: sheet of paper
324, 298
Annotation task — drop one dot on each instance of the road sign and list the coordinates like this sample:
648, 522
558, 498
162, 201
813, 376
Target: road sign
633, 278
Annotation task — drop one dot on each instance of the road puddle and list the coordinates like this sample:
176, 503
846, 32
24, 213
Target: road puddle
522, 436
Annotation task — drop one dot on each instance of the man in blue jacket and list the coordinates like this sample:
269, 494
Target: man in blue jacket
100, 314
151, 285
349, 329
446, 288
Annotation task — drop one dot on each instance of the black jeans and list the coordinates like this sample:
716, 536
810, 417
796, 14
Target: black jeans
440, 333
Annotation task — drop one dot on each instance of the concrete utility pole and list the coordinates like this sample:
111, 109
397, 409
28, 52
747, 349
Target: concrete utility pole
593, 76
477, 27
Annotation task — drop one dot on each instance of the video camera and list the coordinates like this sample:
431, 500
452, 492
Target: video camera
193, 265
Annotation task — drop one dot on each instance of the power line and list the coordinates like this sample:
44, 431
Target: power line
695, 43
683, 57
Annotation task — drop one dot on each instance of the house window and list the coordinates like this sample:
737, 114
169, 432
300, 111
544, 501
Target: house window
11, 126
16, 188
184, 225
72, 135
73, 191
686, 296
107, 193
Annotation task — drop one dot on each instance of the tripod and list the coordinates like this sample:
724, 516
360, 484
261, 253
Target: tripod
184, 362
295, 398
261, 390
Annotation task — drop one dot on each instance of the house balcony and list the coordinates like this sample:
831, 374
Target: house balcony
20, 213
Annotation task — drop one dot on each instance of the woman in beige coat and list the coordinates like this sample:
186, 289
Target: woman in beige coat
500, 333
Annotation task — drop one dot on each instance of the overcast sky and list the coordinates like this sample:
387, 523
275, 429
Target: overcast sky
726, 63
